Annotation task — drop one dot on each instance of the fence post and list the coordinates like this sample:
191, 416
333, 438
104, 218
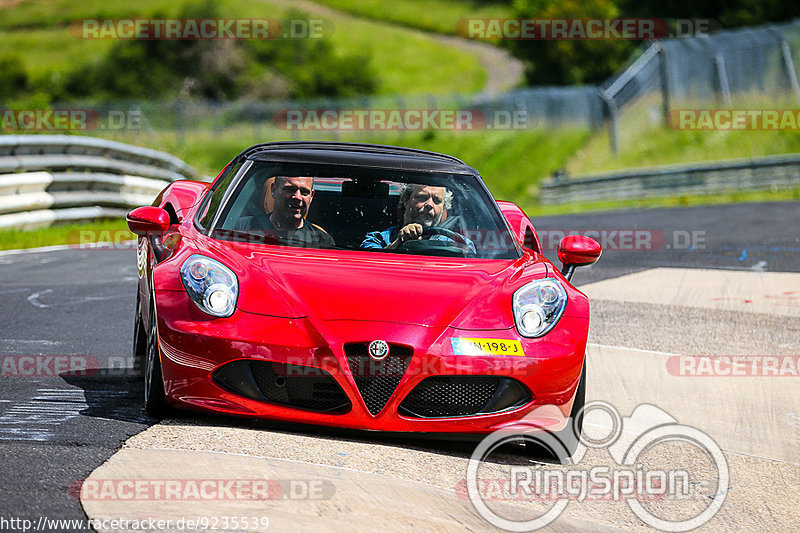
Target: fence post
722, 78
613, 120
664, 71
790, 72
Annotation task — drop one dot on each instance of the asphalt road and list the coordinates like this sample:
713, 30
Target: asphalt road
61, 310
76, 307
740, 237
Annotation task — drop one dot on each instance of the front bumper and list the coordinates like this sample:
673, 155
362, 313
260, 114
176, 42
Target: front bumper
205, 362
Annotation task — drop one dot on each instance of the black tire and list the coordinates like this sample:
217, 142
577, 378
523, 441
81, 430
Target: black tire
139, 340
155, 402
561, 445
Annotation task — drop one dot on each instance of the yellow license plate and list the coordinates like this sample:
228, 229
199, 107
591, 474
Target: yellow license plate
465, 346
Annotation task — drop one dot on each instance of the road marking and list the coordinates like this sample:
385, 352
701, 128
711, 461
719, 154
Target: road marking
38, 418
9, 291
20, 251
632, 349
34, 299
31, 341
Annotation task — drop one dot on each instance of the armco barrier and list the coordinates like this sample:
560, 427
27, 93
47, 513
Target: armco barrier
52, 178
764, 173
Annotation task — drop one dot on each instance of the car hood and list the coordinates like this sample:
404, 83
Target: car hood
344, 285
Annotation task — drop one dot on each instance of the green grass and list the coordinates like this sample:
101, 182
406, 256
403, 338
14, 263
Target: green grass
645, 141
511, 162
404, 61
440, 16
408, 62
666, 147
108, 231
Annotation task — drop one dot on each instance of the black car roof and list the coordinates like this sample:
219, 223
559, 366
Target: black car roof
369, 155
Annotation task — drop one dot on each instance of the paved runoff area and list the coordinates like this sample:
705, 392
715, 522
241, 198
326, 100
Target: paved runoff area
712, 350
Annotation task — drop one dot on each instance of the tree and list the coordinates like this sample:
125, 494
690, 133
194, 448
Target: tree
569, 62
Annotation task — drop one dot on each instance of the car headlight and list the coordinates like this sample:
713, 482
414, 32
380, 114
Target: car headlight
538, 306
212, 286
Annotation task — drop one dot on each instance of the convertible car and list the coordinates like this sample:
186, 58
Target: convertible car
462, 328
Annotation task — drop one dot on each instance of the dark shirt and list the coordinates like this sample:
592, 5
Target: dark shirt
309, 236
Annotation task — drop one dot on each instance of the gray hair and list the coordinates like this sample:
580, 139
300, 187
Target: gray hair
407, 188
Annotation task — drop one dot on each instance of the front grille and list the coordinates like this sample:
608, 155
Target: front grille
299, 386
377, 380
454, 396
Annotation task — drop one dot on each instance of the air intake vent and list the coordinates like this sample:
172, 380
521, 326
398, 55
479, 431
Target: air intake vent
299, 386
454, 396
377, 380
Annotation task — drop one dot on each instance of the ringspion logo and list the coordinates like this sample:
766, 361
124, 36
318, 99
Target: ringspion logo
693, 494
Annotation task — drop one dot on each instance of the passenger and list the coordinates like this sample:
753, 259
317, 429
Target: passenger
291, 198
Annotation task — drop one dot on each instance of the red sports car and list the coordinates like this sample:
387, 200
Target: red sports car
358, 286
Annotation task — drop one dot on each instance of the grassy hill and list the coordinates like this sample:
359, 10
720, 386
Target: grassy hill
405, 61
439, 16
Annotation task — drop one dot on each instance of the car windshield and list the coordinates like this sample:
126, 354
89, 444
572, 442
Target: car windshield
361, 208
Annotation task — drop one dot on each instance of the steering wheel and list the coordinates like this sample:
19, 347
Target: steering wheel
457, 245
450, 234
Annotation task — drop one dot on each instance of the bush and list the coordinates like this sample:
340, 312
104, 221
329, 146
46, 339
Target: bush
221, 70
14, 79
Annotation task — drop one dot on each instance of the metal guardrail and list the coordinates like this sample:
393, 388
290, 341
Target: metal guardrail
765, 173
52, 178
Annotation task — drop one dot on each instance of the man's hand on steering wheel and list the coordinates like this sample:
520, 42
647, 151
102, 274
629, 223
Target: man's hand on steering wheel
414, 232
457, 238
409, 232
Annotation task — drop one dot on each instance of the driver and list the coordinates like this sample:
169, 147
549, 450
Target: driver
421, 206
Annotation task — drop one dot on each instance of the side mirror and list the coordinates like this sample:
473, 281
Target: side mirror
575, 251
148, 220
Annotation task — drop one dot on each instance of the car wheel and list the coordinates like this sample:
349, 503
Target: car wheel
139, 339
155, 403
561, 445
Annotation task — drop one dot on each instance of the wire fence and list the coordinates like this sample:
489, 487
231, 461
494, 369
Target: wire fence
724, 69
720, 69
551, 107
